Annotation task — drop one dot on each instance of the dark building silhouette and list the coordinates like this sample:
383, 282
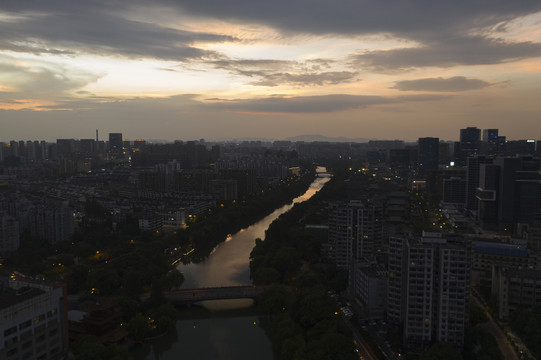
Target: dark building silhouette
487, 195
115, 146
469, 145
492, 143
508, 192
520, 147
454, 191
472, 179
65, 147
428, 154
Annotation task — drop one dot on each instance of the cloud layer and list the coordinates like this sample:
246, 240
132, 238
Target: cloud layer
454, 84
263, 65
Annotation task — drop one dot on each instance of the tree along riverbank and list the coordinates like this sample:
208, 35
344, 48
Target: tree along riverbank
108, 259
203, 235
302, 321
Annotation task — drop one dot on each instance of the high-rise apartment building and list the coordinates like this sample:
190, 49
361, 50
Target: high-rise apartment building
429, 288
9, 233
52, 222
14, 148
355, 232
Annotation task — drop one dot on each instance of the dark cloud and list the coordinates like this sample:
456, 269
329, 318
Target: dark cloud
443, 28
453, 84
167, 69
312, 104
451, 51
94, 28
361, 16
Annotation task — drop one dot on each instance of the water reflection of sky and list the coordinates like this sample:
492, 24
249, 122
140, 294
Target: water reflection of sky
217, 337
229, 338
228, 264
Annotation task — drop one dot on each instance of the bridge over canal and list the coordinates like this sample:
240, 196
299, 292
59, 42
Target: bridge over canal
189, 296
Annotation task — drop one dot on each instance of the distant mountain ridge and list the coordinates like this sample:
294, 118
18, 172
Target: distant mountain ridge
306, 138
315, 137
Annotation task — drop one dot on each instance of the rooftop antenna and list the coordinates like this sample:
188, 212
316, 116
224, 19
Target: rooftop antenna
96, 135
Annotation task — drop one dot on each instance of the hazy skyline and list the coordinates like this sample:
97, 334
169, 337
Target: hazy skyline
247, 68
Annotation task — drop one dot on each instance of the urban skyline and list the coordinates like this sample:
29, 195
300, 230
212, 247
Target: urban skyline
189, 70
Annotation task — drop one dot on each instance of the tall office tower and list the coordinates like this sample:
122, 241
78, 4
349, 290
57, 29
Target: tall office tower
487, 212
454, 191
355, 232
519, 193
431, 294
2, 146
491, 142
428, 154
472, 179
9, 233
445, 152
115, 145
469, 144
34, 321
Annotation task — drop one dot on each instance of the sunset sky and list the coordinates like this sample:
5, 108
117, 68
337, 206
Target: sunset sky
216, 69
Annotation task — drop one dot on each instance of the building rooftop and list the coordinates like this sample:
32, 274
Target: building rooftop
499, 249
10, 297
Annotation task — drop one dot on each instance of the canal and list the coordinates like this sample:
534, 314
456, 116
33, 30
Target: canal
222, 329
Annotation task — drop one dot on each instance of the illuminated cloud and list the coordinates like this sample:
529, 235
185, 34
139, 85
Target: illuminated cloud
272, 73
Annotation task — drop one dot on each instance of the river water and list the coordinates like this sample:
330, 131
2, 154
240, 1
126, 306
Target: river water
222, 329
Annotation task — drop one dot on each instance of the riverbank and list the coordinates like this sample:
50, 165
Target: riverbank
206, 233
303, 323
225, 329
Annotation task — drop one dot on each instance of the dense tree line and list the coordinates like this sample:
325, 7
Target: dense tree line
209, 231
303, 322
527, 324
